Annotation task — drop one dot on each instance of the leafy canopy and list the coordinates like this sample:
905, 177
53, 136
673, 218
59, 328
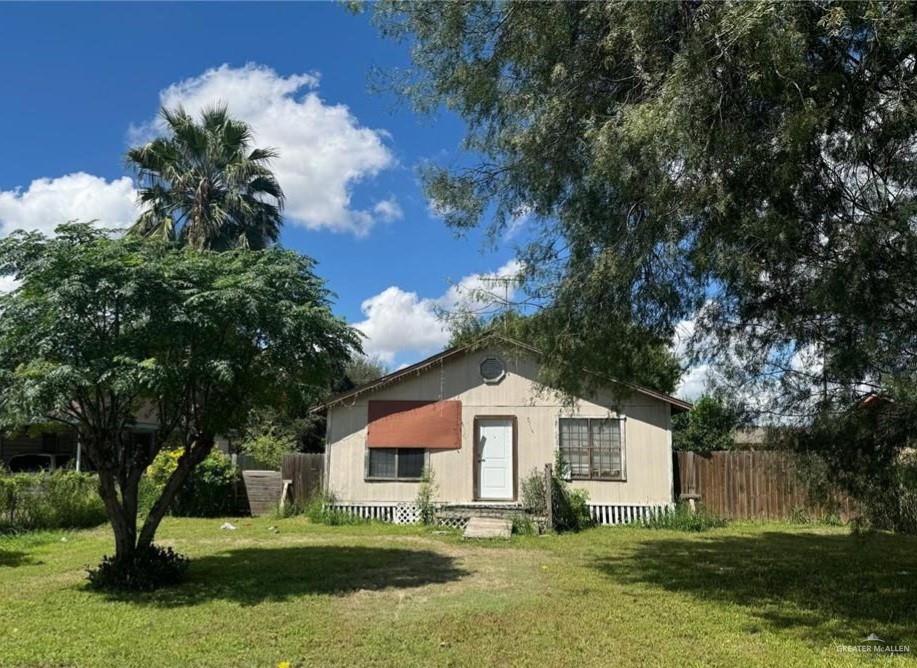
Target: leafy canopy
655, 366
104, 333
747, 164
709, 425
204, 185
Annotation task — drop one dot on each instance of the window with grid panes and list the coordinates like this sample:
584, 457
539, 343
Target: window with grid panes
592, 448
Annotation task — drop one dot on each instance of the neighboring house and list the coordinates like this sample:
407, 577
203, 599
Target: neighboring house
478, 418
24, 451
55, 445
750, 437
56, 448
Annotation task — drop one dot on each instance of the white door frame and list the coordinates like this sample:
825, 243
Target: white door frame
476, 456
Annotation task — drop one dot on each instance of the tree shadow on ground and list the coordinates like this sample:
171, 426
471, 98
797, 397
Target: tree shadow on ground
13, 558
252, 575
823, 586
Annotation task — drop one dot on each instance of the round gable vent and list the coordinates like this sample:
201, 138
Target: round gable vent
492, 370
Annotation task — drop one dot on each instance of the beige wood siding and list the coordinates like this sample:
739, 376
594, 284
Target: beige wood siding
647, 435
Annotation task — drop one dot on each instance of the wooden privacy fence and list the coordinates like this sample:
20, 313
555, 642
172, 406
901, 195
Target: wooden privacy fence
749, 485
305, 470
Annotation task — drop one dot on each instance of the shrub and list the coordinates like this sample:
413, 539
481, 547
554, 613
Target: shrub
208, 491
425, 497
570, 506
149, 569
866, 452
523, 525
321, 511
708, 426
682, 518
147, 492
533, 496
58, 500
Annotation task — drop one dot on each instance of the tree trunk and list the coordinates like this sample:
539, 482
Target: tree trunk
186, 463
123, 524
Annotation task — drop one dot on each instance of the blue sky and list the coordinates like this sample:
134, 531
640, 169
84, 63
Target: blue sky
82, 82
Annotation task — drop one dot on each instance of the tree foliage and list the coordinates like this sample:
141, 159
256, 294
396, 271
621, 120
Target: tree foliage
747, 164
869, 452
709, 425
204, 185
655, 366
362, 369
104, 332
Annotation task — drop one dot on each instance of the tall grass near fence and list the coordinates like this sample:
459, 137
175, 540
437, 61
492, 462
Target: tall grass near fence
58, 500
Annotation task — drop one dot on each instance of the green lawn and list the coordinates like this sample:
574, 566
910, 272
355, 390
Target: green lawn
381, 595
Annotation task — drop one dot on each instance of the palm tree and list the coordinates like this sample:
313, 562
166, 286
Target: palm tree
204, 186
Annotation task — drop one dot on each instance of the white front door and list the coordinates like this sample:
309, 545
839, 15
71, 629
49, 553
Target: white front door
495, 459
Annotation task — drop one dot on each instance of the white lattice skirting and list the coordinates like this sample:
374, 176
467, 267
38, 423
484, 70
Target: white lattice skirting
408, 513
396, 513
608, 515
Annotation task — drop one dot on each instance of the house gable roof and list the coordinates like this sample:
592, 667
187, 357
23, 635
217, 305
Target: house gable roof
421, 366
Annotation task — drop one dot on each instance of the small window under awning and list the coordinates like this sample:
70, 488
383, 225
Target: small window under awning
434, 425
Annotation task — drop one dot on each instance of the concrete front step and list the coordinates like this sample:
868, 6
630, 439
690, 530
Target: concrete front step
504, 511
488, 527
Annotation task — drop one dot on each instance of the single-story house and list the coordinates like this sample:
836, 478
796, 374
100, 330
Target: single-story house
478, 418
52, 447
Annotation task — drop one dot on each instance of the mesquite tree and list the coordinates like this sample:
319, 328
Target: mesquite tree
102, 331
749, 165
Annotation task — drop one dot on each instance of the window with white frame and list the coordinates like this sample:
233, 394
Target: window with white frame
593, 448
395, 463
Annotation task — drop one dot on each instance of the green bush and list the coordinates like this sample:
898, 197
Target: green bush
150, 569
321, 511
147, 492
208, 492
682, 518
523, 525
58, 500
426, 495
533, 493
570, 506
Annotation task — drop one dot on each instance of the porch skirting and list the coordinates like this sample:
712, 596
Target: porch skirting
608, 515
408, 513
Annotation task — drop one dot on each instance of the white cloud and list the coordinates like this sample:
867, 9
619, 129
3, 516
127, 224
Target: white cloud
696, 379
399, 321
694, 382
7, 284
323, 150
47, 203
403, 323
388, 210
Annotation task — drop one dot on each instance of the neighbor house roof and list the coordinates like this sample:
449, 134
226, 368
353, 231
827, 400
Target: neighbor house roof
457, 351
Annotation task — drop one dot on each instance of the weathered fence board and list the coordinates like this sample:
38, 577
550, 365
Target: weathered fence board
262, 489
749, 485
305, 470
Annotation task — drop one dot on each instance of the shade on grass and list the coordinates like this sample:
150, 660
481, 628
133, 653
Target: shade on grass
382, 595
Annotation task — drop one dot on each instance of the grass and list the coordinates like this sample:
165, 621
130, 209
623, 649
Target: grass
382, 595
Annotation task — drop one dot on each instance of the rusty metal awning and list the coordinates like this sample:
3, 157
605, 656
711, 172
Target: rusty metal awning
435, 425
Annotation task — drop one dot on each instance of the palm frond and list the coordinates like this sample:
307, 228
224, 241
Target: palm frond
205, 186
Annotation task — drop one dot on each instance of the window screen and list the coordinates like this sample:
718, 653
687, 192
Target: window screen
382, 462
410, 463
396, 463
592, 448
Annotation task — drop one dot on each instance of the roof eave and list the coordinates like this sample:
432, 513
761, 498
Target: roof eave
420, 366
